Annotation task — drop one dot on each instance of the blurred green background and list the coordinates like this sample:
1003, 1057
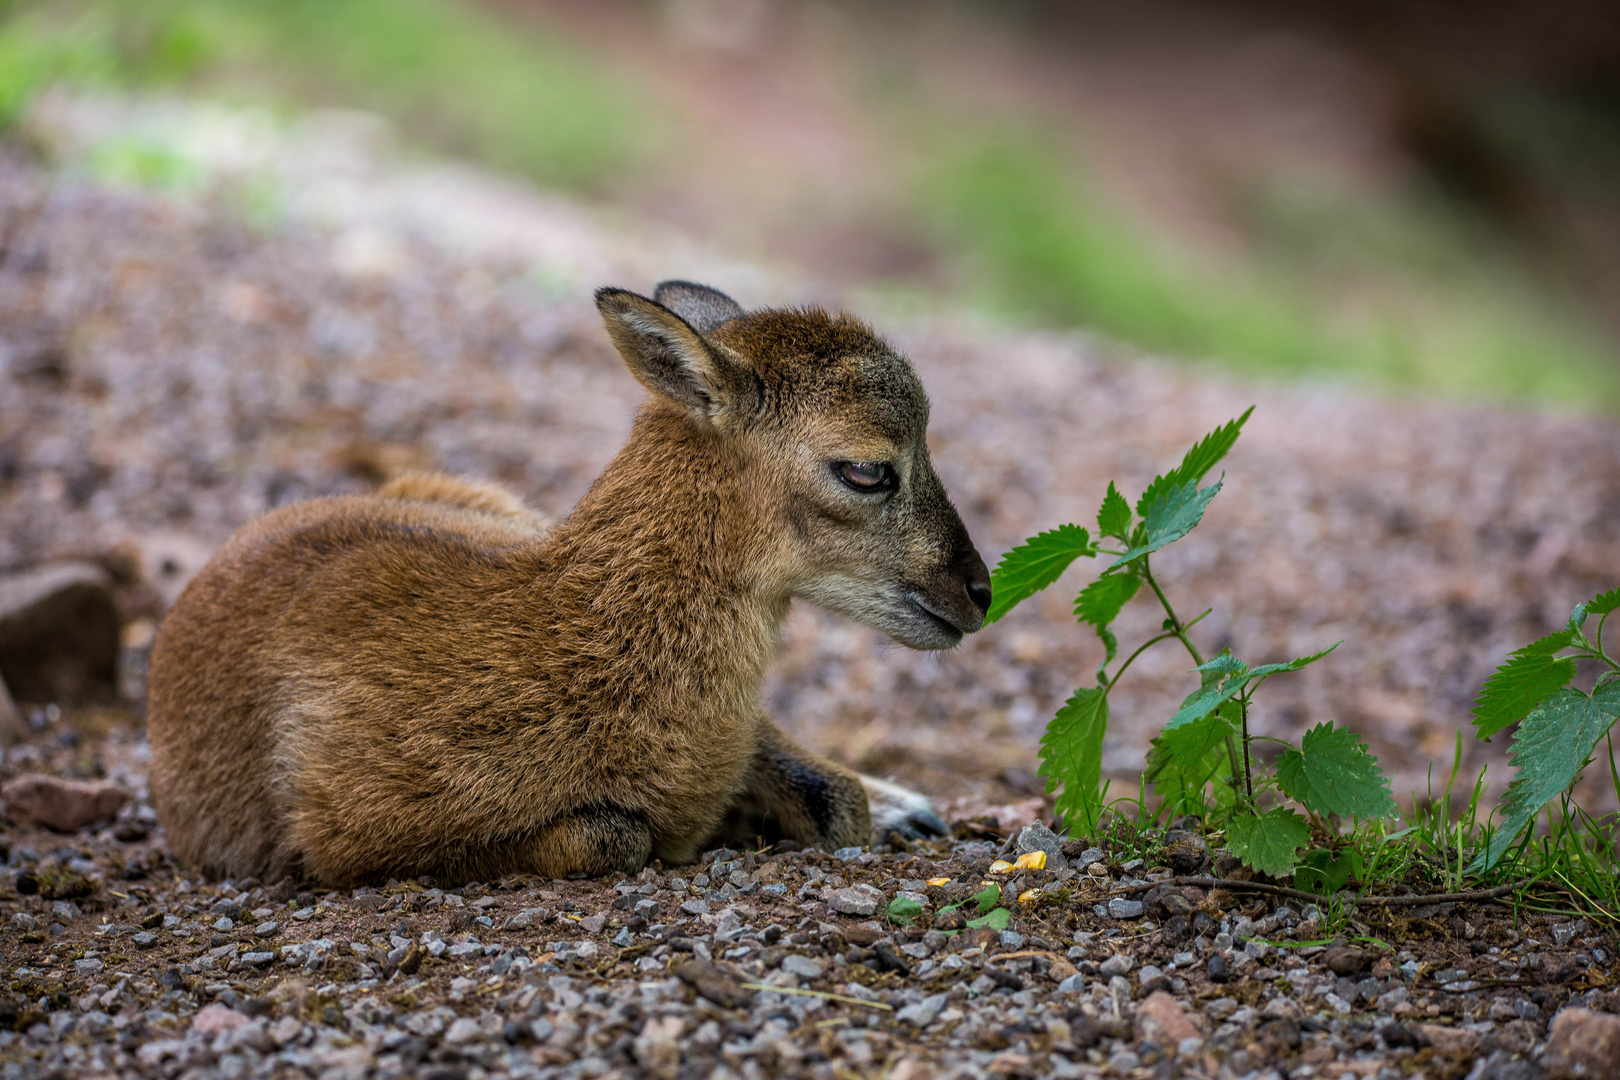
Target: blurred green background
1424, 198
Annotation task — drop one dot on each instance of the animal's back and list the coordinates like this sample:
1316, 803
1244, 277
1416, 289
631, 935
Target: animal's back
226, 675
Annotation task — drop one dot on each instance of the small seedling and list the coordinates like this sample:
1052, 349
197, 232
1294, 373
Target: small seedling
1559, 726
1202, 761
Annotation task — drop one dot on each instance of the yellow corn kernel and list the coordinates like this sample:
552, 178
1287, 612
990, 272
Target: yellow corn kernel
939, 881
1029, 896
1000, 866
1033, 860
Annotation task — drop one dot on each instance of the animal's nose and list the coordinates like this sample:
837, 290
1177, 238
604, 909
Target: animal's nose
977, 577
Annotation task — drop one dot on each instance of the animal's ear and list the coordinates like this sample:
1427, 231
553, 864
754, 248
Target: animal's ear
705, 308
670, 358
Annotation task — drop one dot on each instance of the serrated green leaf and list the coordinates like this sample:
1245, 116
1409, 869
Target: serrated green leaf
1529, 676
1033, 565
988, 897
1550, 748
1204, 456
1170, 517
1100, 602
1114, 518
1265, 670
1332, 773
1071, 755
1183, 788
1603, 603
1224, 664
1200, 703
903, 909
1269, 843
998, 919
1185, 747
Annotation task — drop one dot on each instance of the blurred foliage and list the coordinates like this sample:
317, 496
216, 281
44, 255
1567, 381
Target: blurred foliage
1401, 293
454, 76
1405, 289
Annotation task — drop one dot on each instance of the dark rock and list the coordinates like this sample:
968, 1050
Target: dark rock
1084, 1032
1347, 960
1219, 970
713, 982
889, 958
1555, 970
1165, 901
1009, 980
1282, 1034
59, 635
1186, 852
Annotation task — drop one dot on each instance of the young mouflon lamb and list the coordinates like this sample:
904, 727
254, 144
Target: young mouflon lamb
428, 680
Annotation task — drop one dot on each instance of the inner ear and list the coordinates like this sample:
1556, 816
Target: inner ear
669, 357
704, 308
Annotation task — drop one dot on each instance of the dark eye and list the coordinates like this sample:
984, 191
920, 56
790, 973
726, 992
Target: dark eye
867, 475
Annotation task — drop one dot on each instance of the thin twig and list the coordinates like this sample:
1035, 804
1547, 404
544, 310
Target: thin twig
1297, 894
1021, 955
816, 993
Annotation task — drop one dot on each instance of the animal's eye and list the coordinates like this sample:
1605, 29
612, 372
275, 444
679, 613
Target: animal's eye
867, 475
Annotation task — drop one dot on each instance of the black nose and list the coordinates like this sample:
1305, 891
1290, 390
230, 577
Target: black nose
976, 576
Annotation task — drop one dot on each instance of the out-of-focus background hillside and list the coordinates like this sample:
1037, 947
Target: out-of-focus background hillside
1419, 196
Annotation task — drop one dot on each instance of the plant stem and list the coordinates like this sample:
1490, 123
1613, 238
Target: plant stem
1248, 764
1149, 643
1180, 632
1176, 628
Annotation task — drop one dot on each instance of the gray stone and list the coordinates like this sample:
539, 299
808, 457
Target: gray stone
859, 900
144, 940
259, 959
847, 854
266, 929
1118, 964
1074, 984
1089, 856
223, 923
1121, 908
801, 966
1037, 837
922, 1013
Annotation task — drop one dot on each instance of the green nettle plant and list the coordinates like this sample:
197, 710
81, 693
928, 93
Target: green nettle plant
1206, 747
1560, 726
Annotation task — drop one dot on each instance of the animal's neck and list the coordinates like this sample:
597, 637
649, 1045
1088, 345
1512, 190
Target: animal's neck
666, 539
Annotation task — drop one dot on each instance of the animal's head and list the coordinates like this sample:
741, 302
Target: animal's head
832, 424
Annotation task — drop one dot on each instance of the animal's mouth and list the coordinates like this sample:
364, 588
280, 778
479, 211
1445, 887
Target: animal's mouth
943, 622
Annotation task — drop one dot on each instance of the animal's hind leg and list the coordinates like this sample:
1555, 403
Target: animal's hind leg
592, 840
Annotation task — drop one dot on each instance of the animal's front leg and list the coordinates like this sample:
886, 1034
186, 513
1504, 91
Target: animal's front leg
791, 793
897, 809
795, 794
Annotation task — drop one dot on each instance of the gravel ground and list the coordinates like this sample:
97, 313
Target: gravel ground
754, 964
171, 367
